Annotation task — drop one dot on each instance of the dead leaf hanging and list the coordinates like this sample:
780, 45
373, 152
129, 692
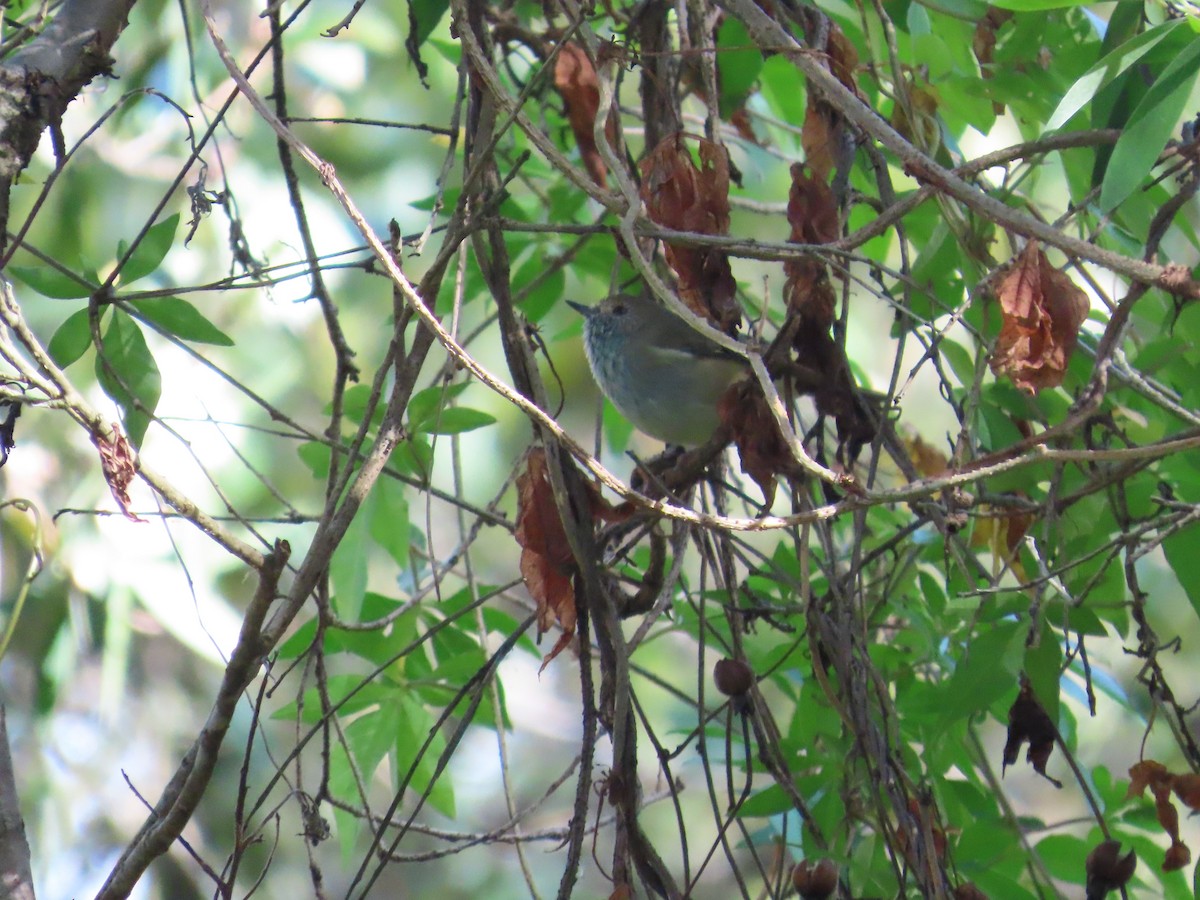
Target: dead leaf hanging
547, 565
1149, 773
575, 79
1028, 721
1043, 310
119, 465
681, 195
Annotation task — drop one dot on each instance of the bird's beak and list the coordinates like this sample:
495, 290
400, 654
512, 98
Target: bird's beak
585, 311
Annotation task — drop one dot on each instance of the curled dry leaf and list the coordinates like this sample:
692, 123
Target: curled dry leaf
824, 126
119, 465
1149, 773
682, 196
1028, 721
813, 216
1042, 310
547, 565
575, 79
1107, 870
761, 449
1187, 789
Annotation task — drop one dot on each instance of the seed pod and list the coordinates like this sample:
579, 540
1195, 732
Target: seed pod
815, 880
1106, 871
733, 677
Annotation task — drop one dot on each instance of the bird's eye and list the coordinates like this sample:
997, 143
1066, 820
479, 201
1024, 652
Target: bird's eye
618, 309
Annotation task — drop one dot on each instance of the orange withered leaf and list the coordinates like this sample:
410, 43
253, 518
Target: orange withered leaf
119, 466
547, 565
928, 460
575, 79
1042, 310
681, 195
1028, 721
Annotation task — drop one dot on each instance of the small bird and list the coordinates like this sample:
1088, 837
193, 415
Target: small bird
663, 376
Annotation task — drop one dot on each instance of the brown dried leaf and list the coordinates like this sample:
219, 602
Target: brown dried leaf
1168, 815
1187, 789
1178, 855
575, 79
1042, 310
761, 448
1002, 531
843, 58
813, 216
1147, 773
1107, 870
547, 565
119, 465
1028, 721
823, 124
928, 460
819, 136
680, 195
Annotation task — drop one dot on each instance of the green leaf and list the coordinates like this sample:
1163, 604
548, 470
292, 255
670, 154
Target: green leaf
72, 339
739, 63
994, 659
53, 283
456, 420
782, 89
1180, 550
416, 726
967, 10
390, 526
1105, 71
424, 406
426, 14
150, 251
429, 412
1150, 126
348, 567
1031, 5
127, 372
354, 404
316, 456
180, 318
1065, 857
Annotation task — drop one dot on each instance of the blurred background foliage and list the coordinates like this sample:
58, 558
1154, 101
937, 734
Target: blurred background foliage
1080, 574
